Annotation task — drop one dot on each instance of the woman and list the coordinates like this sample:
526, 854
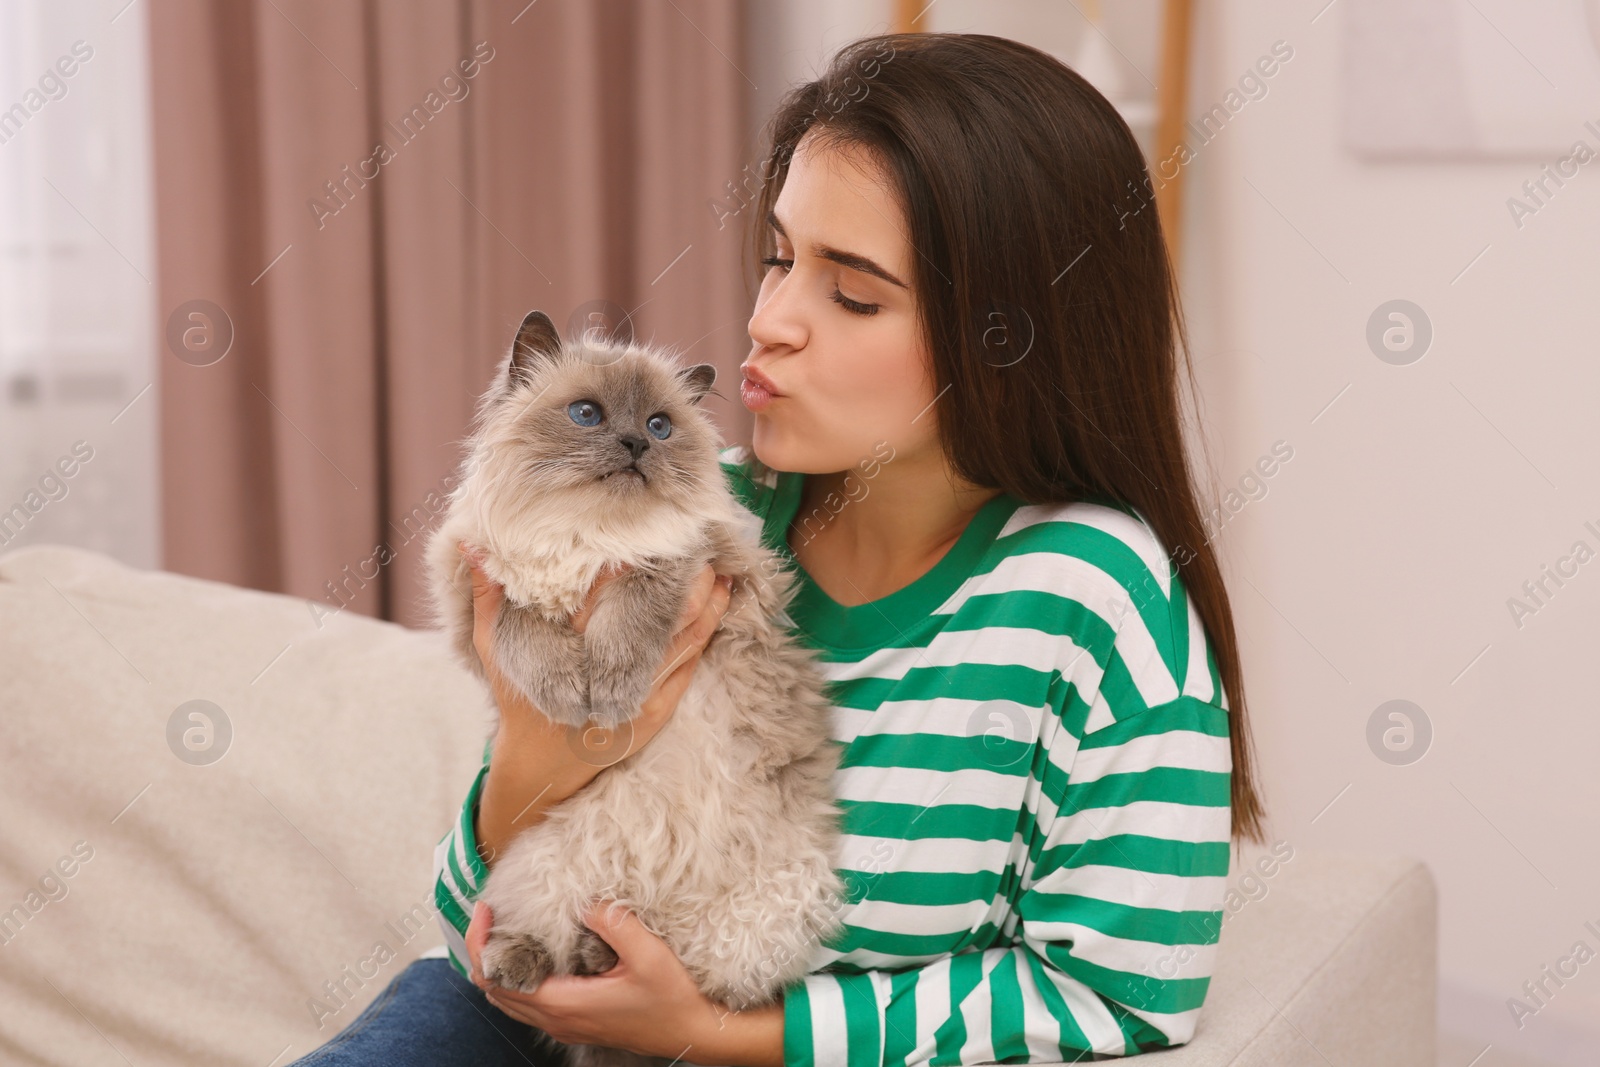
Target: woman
968, 442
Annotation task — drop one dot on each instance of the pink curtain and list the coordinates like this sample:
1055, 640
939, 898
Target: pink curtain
368, 196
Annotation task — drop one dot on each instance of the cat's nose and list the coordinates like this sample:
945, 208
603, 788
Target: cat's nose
635, 445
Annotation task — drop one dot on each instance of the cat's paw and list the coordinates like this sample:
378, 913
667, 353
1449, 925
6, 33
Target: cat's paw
594, 956
549, 680
615, 696
562, 700
516, 961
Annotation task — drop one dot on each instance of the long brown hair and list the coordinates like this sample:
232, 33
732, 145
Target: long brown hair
1048, 301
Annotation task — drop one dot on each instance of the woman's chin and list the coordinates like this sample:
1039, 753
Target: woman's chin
785, 448
767, 441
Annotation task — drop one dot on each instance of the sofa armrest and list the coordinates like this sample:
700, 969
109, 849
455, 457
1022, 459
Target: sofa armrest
220, 902
1331, 959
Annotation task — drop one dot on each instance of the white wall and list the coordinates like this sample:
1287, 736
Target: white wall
1378, 563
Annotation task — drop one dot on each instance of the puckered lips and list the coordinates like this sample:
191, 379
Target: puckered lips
757, 390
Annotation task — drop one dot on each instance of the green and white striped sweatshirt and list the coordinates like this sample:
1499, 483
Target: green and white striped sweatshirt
1034, 787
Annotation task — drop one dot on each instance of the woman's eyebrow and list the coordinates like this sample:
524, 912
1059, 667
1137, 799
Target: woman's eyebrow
852, 260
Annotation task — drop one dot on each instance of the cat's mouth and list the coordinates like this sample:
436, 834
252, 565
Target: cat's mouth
630, 469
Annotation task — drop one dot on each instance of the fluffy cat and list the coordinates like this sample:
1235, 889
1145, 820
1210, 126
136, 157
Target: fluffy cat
720, 832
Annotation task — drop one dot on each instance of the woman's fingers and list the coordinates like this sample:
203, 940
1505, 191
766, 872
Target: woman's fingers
486, 598
683, 653
477, 937
712, 614
697, 623
699, 595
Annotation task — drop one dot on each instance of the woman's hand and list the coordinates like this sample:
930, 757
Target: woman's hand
646, 1003
701, 617
538, 763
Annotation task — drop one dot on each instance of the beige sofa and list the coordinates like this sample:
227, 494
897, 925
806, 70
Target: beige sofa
164, 905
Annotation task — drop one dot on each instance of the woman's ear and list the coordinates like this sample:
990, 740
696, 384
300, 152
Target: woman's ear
537, 342
697, 379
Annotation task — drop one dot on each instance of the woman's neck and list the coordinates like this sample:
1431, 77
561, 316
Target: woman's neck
877, 535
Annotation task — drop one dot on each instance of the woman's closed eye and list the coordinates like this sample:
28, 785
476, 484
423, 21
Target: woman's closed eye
855, 307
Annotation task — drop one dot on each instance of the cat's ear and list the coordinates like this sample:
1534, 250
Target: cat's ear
697, 379
537, 341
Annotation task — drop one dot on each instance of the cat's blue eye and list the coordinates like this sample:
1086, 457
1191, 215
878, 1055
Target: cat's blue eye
659, 426
584, 412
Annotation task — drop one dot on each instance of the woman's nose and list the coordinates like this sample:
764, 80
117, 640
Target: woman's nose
777, 321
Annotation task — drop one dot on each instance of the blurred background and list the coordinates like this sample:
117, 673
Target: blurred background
258, 258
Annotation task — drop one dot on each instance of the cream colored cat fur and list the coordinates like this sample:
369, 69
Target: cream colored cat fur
720, 833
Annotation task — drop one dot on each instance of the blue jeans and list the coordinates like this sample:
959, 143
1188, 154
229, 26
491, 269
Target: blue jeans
430, 1016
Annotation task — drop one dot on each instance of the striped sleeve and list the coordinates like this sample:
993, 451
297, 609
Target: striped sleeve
459, 874
1117, 920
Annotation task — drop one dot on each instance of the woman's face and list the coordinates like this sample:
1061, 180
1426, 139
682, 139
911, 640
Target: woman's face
835, 325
